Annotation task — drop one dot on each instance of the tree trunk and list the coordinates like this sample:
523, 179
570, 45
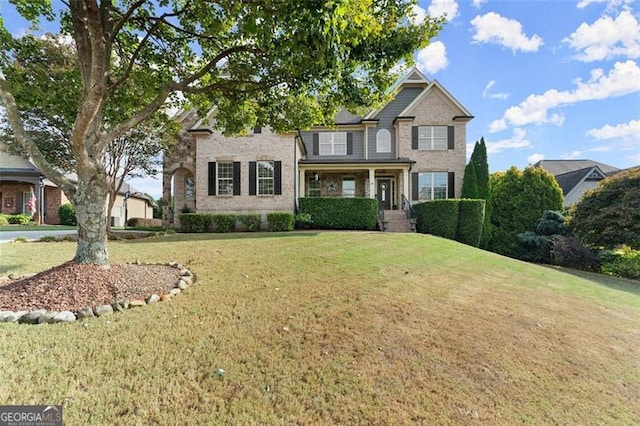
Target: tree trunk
90, 202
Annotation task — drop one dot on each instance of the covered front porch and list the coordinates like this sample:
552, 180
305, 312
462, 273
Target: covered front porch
385, 181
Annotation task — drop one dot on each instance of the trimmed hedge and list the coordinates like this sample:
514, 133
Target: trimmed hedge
452, 218
224, 222
139, 222
340, 213
249, 222
67, 215
195, 222
470, 221
438, 217
280, 221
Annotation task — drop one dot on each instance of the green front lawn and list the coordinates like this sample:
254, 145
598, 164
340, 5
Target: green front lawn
336, 328
36, 228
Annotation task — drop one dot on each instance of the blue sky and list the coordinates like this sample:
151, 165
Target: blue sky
557, 79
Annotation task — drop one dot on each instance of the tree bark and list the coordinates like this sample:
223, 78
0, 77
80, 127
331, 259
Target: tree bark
90, 202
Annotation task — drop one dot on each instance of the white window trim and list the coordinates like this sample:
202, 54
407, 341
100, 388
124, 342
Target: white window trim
432, 188
319, 189
427, 143
332, 146
265, 178
383, 148
219, 179
351, 179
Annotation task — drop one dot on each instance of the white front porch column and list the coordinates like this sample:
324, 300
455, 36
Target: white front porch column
405, 183
372, 183
301, 184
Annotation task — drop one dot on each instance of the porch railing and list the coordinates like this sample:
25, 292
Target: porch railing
409, 212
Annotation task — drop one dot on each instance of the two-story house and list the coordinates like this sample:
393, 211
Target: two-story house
413, 148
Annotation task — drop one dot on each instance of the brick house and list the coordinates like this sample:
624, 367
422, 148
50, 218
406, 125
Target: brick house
19, 176
409, 150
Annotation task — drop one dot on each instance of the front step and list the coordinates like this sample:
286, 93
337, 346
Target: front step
396, 221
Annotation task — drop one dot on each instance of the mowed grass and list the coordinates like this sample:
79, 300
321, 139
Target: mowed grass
336, 328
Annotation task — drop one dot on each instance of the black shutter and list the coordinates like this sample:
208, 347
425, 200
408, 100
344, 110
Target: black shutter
414, 186
450, 139
212, 178
236, 178
277, 177
452, 185
414, 137
349, 143
316, 144
252, 178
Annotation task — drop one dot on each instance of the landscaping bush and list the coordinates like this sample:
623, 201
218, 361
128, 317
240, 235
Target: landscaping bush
19, 219
438, 217
536, 246
470, 221
280, 221
3, 220
224, 222
138, 222
623, 262
195, 222
67, 215
250, 222
341, 213
570, 252
303, 221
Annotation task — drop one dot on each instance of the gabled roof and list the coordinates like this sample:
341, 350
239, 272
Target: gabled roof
411, 77
421, 96
558, 167
10, 163
568, 181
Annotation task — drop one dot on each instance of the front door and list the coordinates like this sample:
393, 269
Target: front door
384, 193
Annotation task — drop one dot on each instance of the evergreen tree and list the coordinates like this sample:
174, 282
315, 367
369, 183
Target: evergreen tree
476, 184
470, 182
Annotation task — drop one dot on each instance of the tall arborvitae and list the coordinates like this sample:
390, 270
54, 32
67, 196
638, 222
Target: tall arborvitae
470, 181
476, 184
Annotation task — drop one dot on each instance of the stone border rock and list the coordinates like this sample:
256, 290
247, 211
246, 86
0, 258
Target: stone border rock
42, 316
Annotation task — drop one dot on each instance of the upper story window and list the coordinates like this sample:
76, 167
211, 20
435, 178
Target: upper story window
383, 141
432, 137
432, 186
265, 178
333, 143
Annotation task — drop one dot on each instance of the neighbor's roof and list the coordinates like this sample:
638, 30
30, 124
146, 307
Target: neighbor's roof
559, 167
568, 181
10, 163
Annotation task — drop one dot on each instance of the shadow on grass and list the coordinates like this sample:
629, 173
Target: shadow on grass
180, 237
4, 269
617, 283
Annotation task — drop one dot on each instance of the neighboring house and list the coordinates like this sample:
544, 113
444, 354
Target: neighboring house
19, 176
412, 148
576, 177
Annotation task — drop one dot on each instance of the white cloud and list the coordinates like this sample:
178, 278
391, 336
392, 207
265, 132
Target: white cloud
419, 15
517, 140
497, 125
478, 3
496, 29
611, 4
499, 95
621, 80
630, 130
607, 38
439, 7
432, 58
534, 158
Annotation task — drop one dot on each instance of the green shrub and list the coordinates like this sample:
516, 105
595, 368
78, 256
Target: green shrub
224, 222
280, 221
250, 222
67, 215
195, 222
341, 213
19, 219
138, 222
438, 217
570, 252
470, 221
303, 221
623, 262
47, 239
4, 220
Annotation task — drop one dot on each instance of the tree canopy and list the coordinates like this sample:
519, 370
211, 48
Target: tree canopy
282, 63
609, 215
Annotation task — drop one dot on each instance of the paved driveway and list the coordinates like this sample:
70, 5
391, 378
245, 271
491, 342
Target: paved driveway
8, 236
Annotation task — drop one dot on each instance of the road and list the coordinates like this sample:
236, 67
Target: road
8, 236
